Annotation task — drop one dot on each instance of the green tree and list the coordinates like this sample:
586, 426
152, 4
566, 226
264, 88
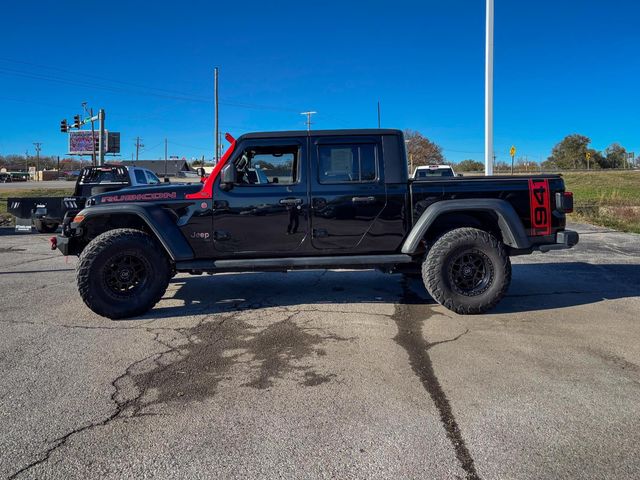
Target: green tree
616, 156
470, 166
421, 150
570, 152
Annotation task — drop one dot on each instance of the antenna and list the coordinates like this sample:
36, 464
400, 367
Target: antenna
308, 122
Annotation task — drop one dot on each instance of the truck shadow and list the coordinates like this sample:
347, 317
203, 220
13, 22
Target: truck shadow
249, 291
535, 286
546, 286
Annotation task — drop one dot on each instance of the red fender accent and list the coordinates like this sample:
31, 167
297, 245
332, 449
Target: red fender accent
206, 192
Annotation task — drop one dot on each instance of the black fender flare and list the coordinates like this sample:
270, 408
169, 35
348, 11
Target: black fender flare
513, 233
162, 226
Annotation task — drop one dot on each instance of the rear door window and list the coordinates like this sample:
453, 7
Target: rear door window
347, 163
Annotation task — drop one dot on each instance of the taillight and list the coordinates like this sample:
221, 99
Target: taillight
564, 202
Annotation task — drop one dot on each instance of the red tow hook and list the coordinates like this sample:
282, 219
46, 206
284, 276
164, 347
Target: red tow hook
54, 243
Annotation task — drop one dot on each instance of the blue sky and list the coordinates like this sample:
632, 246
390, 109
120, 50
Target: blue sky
560, 67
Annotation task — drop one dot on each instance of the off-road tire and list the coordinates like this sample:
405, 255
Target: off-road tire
95, 273
439, 277
43, 227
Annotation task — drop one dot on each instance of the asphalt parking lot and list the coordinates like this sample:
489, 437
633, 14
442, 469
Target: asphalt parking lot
325, 374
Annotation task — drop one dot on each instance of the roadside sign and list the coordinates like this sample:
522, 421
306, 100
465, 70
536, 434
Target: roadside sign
588, 155
512, 151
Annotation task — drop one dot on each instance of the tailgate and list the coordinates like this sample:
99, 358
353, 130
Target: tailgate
26, 206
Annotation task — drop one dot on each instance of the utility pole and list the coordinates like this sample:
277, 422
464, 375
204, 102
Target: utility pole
378, 113
215, 108
93, 132
308, 122
37, 145
488, 91
166, 159
138, 147
101, 138
26, 161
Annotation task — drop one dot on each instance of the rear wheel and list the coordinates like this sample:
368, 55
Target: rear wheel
44, 227
467, 270
122, 273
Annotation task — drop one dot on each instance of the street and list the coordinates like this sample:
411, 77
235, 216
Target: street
325, 374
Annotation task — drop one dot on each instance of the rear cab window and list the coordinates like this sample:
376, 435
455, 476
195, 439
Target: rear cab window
141, 178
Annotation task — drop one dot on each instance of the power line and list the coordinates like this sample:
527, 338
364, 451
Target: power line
144, 90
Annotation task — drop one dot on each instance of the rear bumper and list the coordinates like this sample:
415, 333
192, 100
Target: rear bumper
564, 239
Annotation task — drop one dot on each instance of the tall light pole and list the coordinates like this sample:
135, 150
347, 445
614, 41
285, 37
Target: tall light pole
488, 92
216, 155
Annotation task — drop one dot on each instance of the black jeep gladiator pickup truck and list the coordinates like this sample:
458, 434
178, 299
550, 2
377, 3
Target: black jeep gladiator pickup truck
320, 199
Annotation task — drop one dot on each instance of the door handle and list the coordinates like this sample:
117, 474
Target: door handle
363, 199
291, 201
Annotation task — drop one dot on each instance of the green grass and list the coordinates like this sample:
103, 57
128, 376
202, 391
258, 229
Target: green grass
7, 219
604, 188
610, 199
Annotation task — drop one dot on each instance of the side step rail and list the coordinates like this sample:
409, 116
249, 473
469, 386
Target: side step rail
291, 263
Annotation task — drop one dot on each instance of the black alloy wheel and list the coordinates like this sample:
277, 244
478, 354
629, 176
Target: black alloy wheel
471, 272
125, 274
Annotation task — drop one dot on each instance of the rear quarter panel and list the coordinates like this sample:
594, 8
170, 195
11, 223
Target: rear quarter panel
514, 190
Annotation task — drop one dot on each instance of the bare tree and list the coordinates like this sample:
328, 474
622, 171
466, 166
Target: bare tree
421, 150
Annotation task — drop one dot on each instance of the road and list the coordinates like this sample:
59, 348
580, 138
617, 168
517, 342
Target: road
325, 374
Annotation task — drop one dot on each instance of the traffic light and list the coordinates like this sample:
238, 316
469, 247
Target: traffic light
64, 128
76, 121
96, 144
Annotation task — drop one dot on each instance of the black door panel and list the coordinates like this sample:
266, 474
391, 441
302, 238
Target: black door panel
261, 214
348, 193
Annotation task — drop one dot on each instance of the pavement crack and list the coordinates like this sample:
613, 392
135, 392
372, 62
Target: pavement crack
410, 338
121, 405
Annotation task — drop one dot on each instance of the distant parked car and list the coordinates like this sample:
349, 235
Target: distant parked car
5, 177
185, 174
19, 176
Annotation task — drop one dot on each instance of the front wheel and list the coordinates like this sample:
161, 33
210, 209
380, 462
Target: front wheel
122, 273
467, 270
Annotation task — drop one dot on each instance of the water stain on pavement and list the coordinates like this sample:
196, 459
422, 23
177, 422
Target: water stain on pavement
193, 371
409, 316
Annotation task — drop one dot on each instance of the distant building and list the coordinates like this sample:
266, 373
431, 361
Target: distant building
160, 167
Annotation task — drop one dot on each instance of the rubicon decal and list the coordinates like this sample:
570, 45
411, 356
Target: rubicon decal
139, 197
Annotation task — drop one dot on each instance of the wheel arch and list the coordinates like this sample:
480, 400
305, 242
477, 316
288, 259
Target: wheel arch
150, 219
493, 215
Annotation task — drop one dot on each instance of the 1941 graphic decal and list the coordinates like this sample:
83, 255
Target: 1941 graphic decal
540, 206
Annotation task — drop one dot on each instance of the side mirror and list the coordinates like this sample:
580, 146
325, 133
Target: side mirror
166, 179
459, 175
228, 175
200, 171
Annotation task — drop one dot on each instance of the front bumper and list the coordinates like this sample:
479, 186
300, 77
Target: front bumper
66, 245
564, 239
